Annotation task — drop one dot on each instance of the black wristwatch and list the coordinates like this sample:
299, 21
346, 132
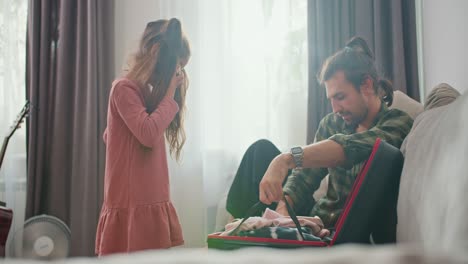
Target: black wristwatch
298, 157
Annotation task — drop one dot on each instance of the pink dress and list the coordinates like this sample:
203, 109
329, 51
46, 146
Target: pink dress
137, 213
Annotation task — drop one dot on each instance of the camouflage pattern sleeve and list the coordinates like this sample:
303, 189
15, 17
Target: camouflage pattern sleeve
392, 127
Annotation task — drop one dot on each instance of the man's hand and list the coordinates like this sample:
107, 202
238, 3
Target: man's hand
271, 186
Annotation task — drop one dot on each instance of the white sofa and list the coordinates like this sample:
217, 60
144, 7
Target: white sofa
432, 225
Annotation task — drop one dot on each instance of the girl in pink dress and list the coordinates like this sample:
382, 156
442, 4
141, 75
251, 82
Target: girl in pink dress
145, 108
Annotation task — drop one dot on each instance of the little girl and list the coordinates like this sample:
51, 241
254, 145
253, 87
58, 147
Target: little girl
145, 105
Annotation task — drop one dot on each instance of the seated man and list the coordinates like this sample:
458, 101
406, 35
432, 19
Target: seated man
344, 140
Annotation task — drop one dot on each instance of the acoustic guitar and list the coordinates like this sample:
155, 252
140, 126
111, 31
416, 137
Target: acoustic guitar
6, 214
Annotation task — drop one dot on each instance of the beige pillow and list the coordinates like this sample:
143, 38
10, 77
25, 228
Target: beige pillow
406, 104
441, 94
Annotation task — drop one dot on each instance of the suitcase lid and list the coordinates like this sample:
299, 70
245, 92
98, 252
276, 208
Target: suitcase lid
354, 190
375, 189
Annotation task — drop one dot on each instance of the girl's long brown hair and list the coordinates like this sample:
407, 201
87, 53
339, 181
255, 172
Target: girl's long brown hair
162, 47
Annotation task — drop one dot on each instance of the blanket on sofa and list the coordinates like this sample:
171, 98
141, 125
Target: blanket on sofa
432, 207
352, 254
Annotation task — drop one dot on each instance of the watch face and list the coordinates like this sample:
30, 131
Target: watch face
296, 150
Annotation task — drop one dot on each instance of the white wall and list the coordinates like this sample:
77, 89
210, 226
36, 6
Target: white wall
130, 21
445, 43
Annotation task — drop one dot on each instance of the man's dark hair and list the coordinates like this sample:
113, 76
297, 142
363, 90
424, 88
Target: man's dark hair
356, 60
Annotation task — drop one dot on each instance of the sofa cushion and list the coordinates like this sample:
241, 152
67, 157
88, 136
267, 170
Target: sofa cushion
431, 206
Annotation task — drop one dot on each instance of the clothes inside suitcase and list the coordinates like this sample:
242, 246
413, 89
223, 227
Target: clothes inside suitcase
369, 209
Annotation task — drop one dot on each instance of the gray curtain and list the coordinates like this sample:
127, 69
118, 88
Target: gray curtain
69, 73
389, 27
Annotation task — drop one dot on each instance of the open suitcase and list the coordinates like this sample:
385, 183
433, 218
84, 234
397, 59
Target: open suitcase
369, 209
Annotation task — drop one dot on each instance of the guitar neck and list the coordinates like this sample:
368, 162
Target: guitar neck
15, 126
2, 153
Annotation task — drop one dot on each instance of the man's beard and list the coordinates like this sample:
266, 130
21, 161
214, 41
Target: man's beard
355, 119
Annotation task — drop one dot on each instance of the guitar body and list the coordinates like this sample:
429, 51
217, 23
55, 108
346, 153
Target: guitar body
6, 214
6, 217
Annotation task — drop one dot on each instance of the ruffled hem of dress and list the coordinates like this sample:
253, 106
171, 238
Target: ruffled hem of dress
152, 226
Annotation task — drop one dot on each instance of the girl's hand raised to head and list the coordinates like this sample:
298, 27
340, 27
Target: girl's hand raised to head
176, 81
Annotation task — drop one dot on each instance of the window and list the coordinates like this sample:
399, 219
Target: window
13, 17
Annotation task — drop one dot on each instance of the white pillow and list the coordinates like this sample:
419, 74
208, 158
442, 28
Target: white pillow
432, 207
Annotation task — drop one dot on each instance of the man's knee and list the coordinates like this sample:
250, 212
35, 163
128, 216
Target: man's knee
263, 144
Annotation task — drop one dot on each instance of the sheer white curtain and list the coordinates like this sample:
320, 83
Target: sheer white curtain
248, 80
252, 61
13, 14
